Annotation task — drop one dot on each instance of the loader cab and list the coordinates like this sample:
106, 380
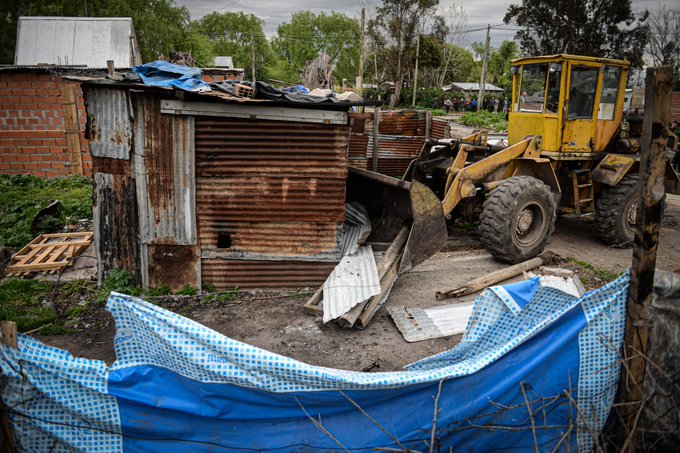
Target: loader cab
574, 103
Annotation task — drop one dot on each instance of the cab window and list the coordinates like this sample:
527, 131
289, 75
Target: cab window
610, 90
582, 92
532, 89
553, 93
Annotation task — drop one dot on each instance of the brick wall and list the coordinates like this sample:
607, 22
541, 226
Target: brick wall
675, 106
33, 135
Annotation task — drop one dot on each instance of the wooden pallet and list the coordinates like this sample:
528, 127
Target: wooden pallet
48, 253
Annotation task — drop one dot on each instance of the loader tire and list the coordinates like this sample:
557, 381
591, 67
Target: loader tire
616, 211
517, 219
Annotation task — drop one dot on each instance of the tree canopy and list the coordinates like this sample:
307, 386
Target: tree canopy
307, 35
603, 28
664, 39
393, 32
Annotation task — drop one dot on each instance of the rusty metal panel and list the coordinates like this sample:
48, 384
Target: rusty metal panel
116, 227
440, 128
109, 122
268, 191
164, 164
275, 240
403, 122
174, 266
246, 274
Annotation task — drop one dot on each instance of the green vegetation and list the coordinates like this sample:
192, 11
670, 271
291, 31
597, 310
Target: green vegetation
57, 309
593, 272
21, 197
485, 120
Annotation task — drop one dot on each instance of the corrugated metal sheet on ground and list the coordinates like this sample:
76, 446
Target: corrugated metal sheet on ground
353, 280
418, 324
356, 229
249, 274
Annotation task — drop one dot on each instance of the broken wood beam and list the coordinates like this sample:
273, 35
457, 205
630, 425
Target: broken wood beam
376, 301
658, 87
498, 276
393, 252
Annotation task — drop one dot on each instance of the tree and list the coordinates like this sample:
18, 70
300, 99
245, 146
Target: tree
499, 64
393, 32
664, 40
603, 28
455, 21
307, 35
233, 34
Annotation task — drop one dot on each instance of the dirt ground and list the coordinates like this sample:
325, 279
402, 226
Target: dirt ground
276, 322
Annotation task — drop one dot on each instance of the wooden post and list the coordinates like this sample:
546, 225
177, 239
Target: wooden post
72, 128
652, 166
252, 56
110, 67
376, 136
9, 338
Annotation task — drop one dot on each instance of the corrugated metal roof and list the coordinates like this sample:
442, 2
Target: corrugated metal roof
354, 280
223, 62
89, 41
472, 86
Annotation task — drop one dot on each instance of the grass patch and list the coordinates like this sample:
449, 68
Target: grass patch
22, 196
484, 119
593, 272
21, 301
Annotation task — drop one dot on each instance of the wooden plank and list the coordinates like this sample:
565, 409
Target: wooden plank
313, 304
72, 129
393, 252
58, 244
57, 254
38, 267
374, 302
652, 165
68, 235
27, 249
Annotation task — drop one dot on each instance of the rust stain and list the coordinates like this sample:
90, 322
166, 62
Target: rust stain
173, 265
227, 274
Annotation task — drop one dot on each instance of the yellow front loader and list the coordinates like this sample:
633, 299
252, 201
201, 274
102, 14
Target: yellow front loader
570, 151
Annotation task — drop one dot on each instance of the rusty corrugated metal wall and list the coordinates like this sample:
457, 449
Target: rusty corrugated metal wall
232, 201
268, 191
402, 134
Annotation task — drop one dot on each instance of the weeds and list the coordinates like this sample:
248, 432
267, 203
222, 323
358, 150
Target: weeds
593, 272
485, 120
21, 197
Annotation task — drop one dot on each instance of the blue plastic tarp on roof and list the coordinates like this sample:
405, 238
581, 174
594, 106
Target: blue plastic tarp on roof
179, 386
168, 75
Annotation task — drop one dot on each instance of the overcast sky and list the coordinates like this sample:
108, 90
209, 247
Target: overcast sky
274, 12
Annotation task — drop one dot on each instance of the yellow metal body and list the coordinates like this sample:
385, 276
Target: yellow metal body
550, 113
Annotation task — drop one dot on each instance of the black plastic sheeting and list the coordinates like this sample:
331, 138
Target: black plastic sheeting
268, 92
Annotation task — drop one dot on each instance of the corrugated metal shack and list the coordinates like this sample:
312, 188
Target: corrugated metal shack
207, 188
401, 135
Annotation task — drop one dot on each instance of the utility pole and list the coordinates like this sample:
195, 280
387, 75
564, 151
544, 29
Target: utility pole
360, 77
415, 75
482, 82
252, 51
85, 7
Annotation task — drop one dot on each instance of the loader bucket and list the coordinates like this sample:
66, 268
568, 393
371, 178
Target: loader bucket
393, 203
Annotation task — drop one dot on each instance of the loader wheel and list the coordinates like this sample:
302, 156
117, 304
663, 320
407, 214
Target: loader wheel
517, 219
616, 211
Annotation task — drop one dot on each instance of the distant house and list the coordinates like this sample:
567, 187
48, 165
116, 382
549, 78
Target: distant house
223, 63
471, 88
76, 41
